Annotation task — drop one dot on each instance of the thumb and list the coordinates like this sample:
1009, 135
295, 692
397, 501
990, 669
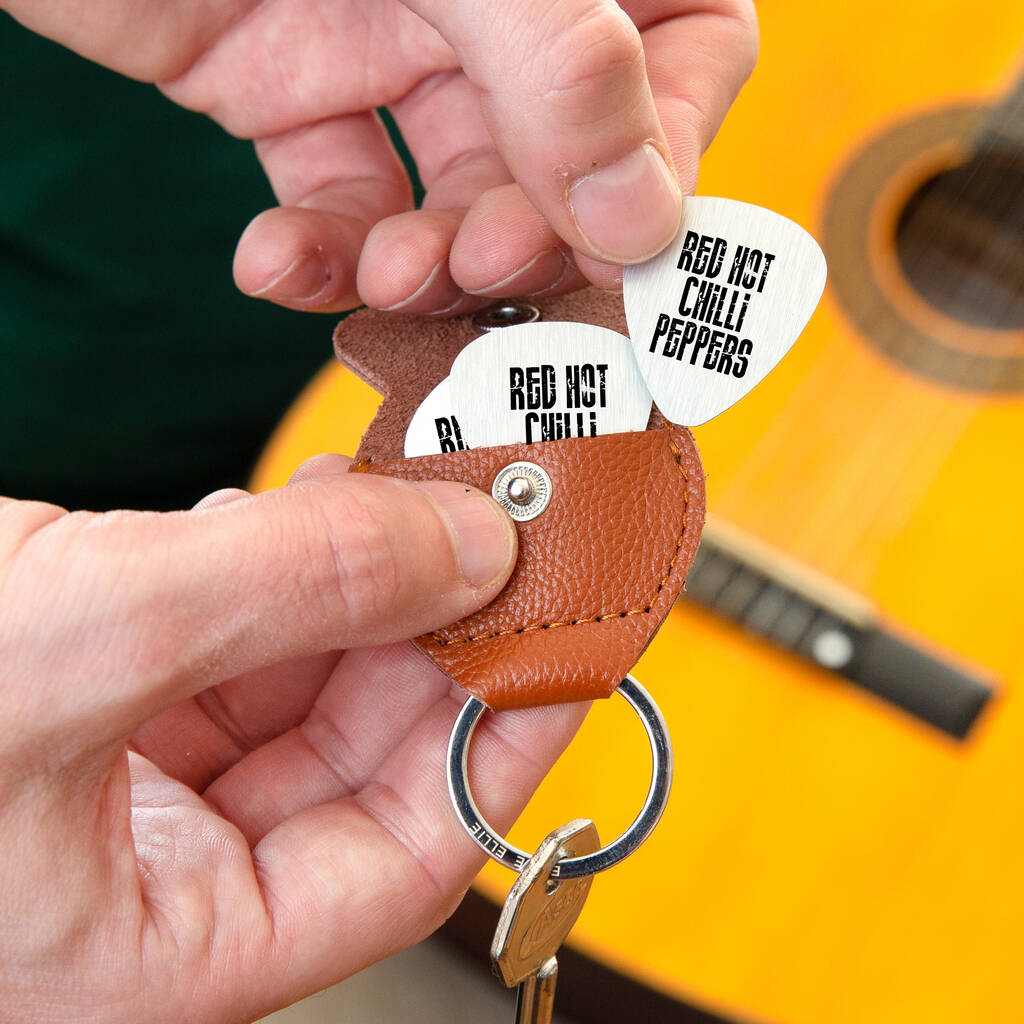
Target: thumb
567, 101
149, 608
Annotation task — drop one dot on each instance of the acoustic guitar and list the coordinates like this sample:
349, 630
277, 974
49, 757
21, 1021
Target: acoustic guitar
845, 840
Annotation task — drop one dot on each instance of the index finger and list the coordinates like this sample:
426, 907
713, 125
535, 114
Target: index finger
697, 62
567, 100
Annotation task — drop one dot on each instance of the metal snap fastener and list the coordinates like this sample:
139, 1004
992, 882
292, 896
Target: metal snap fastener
523, 490
505, 314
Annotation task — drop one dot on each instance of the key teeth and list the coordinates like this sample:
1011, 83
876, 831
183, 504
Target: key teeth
535, 999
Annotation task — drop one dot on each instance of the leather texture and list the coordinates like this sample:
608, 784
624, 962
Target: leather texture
598, 570
404, 357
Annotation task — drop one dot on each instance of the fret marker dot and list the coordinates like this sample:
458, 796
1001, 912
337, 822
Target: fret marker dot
832, 648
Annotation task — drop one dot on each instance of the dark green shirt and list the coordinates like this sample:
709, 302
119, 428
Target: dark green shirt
132, 372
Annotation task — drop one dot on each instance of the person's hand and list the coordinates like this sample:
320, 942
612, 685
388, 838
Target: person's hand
209, 811
544, 132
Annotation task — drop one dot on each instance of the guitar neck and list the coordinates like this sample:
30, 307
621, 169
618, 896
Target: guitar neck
793, 608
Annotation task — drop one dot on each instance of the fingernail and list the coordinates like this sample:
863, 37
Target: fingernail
566, 269
629, 210
302, 279
462, 304
546, 270
396, 307
485, 537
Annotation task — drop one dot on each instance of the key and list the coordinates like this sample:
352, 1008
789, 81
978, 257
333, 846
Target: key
538, 915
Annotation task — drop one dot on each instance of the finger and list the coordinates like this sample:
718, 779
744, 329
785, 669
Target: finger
518, 253
334, 179
393, 851
441, 123
693, 95
372, 700
504, 246
184, 600
602, 275
199, 739
320, 466
156, 42
367, 873
568, 105
338, 885
404, 267
224, 496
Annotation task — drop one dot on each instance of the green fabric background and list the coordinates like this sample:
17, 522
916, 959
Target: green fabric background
132, 372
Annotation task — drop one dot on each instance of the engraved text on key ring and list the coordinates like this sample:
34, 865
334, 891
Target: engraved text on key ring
573, 867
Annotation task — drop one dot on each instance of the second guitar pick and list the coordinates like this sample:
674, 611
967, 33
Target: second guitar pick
545, 382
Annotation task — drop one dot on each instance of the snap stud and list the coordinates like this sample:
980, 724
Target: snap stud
523, 490
505, 314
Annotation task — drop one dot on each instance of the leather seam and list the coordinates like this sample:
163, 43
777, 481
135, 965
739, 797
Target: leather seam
645, 610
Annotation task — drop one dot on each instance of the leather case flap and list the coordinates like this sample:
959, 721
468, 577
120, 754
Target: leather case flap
598, 570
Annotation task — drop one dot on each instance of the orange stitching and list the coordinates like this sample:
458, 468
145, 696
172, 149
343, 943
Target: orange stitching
607, 615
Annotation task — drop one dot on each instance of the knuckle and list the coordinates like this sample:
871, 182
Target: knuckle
598, 54
748, 38
35, 539
21, 520
750, 51
744, 40
362, 564
59, 623
700, 125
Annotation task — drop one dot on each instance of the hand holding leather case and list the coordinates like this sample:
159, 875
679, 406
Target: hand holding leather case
598, 569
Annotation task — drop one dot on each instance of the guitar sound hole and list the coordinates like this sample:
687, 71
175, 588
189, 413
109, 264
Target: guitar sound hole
960, 240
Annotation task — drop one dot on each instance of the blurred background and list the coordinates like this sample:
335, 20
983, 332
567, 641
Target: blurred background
426, 983
845, 840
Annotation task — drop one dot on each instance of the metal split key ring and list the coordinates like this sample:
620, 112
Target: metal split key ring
573, 867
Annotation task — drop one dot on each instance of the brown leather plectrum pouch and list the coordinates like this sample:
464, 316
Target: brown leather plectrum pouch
598, 569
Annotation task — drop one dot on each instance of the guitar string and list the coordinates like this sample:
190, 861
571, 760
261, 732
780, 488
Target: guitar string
924, 439
953, 416
940, 430
827, 385
864, 396
915, 437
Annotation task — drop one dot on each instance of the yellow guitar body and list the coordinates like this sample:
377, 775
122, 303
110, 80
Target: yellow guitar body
826, 858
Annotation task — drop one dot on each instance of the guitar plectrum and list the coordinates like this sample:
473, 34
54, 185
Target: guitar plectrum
547, 381
434, 428
711, 315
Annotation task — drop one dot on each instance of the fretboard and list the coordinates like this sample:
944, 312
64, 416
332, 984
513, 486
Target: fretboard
793, 608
